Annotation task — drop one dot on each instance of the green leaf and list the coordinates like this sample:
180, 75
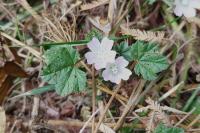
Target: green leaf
94, 33
163, 129
62, 72
148, 60
124, 50
58, 58
68, 80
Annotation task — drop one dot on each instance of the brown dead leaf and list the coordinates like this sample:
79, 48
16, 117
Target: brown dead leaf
8, 73
13, 69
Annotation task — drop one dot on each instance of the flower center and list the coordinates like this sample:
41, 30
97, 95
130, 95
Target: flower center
113, 68
185, 2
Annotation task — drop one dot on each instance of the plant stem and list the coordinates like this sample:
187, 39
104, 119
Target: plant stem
93, 97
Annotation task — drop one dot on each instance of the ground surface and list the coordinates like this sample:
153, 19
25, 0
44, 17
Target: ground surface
138, 105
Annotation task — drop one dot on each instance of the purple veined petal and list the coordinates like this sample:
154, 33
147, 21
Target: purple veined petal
110, 57
90, 57
94, 44
121, 62
107, 43
99, 64
115, 79
195, 4
125, 74
190, 12
178, 10
106, 75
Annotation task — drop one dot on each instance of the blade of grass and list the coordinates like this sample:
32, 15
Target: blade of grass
80, 42
191, 99
37, 91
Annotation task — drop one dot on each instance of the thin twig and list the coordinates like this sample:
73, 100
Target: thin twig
193, 122
106, 108
26, 5
133, 100
76, 123
185, 117
87, 122
108, 91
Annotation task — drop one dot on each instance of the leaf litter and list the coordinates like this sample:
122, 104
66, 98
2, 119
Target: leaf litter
149, 101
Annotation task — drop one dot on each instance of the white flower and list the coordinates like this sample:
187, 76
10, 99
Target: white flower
117, 71
101, 53
186, 7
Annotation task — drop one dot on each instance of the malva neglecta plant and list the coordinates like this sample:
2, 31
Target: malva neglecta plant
62, 71
124, 66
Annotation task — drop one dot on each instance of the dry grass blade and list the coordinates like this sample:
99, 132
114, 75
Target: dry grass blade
2, 120
175, 88
144, 35
58, 30
77, 123
86, 123
93, 97
17, 42
131, 103
26, 5
106, 108
94, 4
105, 129
112, 10
71, 8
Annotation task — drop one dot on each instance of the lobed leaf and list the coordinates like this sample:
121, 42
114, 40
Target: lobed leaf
58, 58
124, 50
148, 60
62, 72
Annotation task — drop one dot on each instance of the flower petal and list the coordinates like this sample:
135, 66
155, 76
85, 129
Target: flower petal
190, 12
195, 4
107, 43
90, 57
110, 57
115, 79
94, 44
178, 10
121, 62
177, 2
106, 75
125, 74
99, 64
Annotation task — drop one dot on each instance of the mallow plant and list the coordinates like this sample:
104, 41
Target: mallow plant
113, 58
62, 69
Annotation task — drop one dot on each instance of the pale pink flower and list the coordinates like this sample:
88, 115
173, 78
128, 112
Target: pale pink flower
186, 7
116, 71
100, 53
